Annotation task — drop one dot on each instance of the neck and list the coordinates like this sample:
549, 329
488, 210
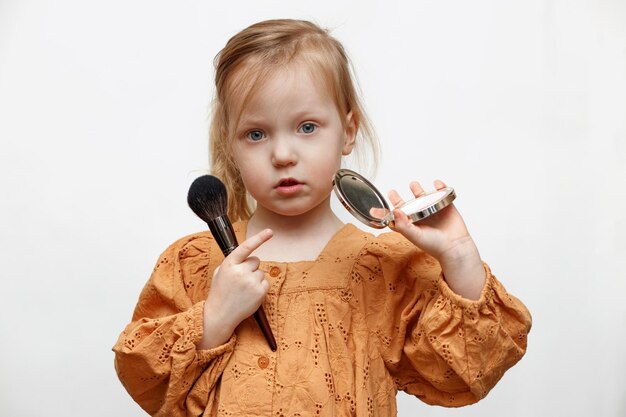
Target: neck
315, 220
304, 235
320, 217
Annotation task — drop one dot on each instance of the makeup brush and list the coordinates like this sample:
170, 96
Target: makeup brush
207, 197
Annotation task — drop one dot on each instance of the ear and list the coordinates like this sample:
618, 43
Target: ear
352, 126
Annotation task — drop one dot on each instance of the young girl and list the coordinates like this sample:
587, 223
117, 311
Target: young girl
356, 317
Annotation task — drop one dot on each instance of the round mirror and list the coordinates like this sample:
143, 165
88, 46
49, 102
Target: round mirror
367, 204
361, 198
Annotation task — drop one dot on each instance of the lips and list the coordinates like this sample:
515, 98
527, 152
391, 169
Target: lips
288, 187
287, 182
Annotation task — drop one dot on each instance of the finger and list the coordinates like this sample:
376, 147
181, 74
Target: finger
253, 263
400, 219
243, 251
261, 281
439, 185
260, 275
416, 188
265, 285
395, 198
378, 212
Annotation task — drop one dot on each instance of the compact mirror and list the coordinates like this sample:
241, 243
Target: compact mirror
366, 203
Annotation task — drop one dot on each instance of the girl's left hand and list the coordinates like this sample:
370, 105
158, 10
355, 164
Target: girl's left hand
442, 235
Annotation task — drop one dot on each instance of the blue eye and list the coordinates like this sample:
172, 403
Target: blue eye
308, 128
255, 135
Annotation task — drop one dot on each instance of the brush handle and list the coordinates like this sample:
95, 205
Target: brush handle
222, 231
261, 320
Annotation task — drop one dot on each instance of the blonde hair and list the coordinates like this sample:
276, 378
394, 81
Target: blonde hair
247, 60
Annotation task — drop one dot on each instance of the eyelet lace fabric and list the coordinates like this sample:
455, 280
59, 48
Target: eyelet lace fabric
372, 315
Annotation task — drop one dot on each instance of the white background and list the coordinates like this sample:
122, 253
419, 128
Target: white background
521, 106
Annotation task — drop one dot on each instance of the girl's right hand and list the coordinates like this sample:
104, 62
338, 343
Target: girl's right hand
238, 289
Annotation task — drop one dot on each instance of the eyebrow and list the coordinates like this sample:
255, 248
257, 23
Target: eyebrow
246, 120
311, 113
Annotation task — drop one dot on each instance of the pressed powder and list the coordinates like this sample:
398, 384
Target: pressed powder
420, 203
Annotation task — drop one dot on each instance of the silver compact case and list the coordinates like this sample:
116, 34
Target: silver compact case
366, 203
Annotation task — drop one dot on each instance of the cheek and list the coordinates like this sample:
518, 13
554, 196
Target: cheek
328, 164
241, 159
248, 169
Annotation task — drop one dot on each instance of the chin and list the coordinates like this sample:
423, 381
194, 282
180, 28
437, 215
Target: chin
291, 210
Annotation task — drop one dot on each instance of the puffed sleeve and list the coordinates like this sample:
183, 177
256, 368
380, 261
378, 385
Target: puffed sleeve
155, 356
438, 346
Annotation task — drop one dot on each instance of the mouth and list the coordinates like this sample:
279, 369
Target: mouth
287, 182
288, 187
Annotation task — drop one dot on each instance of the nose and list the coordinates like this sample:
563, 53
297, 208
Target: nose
283, 152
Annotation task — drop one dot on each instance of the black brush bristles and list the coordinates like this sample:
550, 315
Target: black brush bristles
208, 198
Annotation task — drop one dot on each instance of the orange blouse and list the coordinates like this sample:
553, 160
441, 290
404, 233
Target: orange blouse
370, 316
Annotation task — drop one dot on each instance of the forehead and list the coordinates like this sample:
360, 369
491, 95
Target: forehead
255, 86
293, 84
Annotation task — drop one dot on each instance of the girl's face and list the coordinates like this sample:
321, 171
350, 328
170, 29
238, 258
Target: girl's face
289, 142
